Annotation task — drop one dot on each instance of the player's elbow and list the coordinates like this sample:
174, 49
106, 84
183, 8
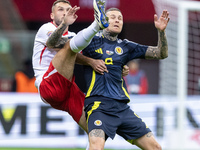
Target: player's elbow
49, 45
164, 54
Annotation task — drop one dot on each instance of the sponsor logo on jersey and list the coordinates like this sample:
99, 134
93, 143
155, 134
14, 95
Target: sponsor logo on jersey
118, 50
49, 33
109, 52
98, 123
100, 51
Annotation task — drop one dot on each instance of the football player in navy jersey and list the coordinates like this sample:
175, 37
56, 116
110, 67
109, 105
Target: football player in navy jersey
106, 108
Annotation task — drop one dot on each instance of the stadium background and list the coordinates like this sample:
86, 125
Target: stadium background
31, 14
21, 19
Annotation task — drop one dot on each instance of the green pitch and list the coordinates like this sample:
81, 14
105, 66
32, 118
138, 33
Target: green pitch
46, 149
41, 149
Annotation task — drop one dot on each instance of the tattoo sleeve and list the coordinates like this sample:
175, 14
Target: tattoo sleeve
149, 134
56, 40
161, 50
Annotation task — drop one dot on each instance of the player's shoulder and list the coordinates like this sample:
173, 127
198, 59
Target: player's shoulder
48, 26
46, 29
71, 33
128, 41
98, 35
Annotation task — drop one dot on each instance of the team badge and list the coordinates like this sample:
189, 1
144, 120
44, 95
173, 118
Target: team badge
119, 50
49, 33
109, 52
98, 123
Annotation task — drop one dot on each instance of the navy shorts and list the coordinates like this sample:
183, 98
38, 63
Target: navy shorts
113, 116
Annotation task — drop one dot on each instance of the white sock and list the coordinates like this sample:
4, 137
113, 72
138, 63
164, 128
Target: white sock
88, 146
84, 37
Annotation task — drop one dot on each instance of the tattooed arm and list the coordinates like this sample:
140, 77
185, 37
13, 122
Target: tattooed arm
161, 50
56, 41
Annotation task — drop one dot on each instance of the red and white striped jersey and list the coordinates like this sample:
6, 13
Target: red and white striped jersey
42, 55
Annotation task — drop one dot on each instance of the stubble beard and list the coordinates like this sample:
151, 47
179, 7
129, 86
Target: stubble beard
57, 22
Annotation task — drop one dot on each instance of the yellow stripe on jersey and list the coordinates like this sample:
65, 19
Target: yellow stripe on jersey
94, 107
91, 84
126, 93
100, 51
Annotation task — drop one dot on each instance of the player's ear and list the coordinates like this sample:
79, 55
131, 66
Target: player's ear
52, 16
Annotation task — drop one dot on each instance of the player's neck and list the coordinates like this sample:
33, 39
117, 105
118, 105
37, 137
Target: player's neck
109, 36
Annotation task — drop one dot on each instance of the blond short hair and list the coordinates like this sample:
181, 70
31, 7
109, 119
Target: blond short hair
113, 9
59, 1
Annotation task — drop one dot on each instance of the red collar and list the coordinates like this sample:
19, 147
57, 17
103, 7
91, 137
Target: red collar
66, 33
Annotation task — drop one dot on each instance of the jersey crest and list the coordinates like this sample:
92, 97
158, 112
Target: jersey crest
118, 50
98, 123
49, 33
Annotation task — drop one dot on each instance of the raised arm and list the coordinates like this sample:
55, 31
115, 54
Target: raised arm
56, 41
161, 50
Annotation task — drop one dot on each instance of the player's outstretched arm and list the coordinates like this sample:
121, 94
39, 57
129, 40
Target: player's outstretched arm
56, 41
98, 65
71, 16
161, 50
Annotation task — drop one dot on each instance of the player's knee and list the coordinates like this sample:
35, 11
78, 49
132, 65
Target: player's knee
95, 145
95, 148
157, 147
67, 46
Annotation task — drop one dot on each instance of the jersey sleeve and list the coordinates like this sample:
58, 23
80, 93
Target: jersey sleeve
44, 33
136, 50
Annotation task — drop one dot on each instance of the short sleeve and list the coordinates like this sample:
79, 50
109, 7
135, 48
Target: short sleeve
44, 33
136, 50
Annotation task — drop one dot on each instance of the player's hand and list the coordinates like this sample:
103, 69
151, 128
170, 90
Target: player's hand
71, 16
99, 66
125, 70
161, 23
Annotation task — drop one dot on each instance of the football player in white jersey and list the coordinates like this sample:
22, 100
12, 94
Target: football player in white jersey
54, 57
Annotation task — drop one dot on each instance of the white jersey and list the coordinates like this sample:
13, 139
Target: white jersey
42, 56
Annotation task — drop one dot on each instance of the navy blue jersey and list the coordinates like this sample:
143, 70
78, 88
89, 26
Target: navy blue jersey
115, 54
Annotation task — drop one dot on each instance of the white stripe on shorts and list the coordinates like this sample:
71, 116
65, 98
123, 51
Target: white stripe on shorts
52, 72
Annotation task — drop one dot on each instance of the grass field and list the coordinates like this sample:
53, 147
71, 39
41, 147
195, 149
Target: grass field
2, 148
41, 148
